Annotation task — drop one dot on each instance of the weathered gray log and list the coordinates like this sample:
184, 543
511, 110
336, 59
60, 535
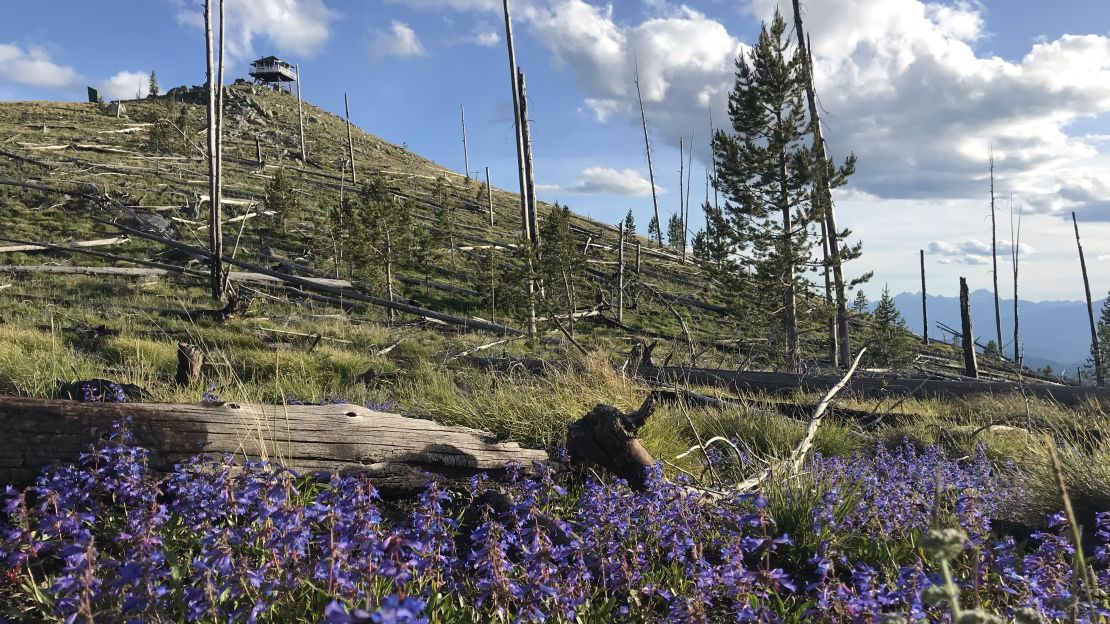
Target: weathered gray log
100, 242
886, 386
396, 451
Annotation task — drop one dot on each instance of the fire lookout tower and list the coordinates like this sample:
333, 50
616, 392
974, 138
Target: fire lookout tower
272, 70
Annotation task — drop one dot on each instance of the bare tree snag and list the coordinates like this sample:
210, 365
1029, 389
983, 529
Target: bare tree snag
350, 140
258, 153
1096, 354
1015, 256
516, 120
466, 156
394, 450
215, 221
686, 212
300, 115
971, 367
529, 164
994, 258
822, 184
637, 256
834, 336
651, 169
925, 304
489, 197
620, 277
606, 437
190, 361
681, 208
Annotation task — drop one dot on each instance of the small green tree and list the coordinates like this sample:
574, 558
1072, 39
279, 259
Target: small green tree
860, 304
153, 89
446, 218
561, 268
675, 232
992, 349
280, 198
382, 236
167, 133
1102, 329
653, 229
889, 344
629, 224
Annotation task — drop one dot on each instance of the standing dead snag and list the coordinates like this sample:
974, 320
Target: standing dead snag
350, 140
466, 156
925, 304
994, 258
606, 437
300, 115
215, 102
1096, 353
620, 277
971, 367
651, 170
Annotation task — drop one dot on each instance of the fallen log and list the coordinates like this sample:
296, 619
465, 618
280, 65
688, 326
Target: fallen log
888, 386
606, 437
396, 451
100, 242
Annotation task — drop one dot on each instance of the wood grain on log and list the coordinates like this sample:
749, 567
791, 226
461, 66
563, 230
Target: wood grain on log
396, 451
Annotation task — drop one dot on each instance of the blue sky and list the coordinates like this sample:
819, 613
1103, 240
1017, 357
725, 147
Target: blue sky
918, 90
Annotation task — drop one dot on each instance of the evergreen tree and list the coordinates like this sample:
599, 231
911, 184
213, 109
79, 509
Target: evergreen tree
562, 266
629, 224
675, 232
280, 198
992, 349
889, 343
764, 168
653, 229
446, 215
153, 89
167, 134
860, 304
1102, 329
382, 236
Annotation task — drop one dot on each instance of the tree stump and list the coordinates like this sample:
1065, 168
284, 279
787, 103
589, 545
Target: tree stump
190, 360
607, 437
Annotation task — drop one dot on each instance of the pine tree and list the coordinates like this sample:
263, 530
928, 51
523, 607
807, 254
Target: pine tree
445, 225
889, 343
764, 168
653, 229
860, 304
153, 89
561, 269
629, 225
280, 198
382, 236
1102, 328
675, 233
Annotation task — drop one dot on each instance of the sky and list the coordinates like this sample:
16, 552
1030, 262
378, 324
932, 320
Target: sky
919, 91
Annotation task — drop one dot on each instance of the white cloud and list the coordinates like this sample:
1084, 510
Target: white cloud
487, 38
125, 85
606, 181
33, 66
975, 252
290, 26
400, 40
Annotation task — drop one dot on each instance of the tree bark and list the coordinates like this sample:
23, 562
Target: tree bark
190, 361
300, 115
620, 277
489, 197
607, 437
971, 366
651, 169
1096, 353
466, 156
529, 163
213, 157
831, 232
925, 304
350, 141
994, 261
513, 80
396, 451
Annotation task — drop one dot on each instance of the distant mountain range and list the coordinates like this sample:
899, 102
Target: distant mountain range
1053, 333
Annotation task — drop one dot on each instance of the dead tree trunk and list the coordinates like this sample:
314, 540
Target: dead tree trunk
686, 212
394, 450
681, 208
971, 367
994, 260
489, 197
516, 122
350, 141
1015, 256
834, 337
258, 153
300, 115
215, 221
466, 156
651, 170
620, 277
822, 185
529, 163
190, 361
391, 314
1096, 354
790, 308
925, 304
637, 256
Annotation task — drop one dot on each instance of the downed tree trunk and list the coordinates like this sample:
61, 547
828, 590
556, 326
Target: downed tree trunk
396, 451
887, 386
100, 242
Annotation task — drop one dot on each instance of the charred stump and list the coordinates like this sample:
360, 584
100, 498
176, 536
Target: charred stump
606, 437
190, 360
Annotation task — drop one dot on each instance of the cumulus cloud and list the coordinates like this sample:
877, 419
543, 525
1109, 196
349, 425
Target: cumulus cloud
900, 80
33, 66
400, 41
606, 181
125, 85
974, 252
291, 26
487, 38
